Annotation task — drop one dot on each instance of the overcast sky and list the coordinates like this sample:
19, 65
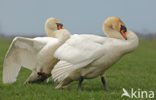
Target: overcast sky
78, 16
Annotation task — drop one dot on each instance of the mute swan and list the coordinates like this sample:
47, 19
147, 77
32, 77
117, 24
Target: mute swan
89, 56
35, 54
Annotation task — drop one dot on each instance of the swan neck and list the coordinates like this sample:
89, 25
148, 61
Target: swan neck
49, 32
132, 42
110, 32
62, 35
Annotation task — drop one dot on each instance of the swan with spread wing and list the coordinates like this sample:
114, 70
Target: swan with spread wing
35, 54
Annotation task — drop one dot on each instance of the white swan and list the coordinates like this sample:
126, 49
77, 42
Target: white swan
35, 54
88, 56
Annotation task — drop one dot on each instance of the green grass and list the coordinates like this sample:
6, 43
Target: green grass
135, 70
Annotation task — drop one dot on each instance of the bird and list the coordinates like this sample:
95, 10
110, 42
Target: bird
35, 54
87, 56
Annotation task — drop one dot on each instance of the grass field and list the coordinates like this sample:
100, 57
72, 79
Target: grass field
135, 70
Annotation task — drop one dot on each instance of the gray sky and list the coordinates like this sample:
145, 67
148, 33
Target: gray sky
78, 16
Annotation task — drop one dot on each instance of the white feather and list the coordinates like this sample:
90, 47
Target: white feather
89, 56
23, 52
81, 48
77, 52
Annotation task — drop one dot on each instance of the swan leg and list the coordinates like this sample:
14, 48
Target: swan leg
104, 83
80, 82
43, 77
46, 80
37, 77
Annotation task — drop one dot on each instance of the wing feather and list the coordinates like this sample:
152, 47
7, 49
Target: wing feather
77, 52
78, 49
22, 52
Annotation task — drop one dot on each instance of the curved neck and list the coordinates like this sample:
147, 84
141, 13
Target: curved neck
131, 43
125, 45
62, 35
110, 32
49, 32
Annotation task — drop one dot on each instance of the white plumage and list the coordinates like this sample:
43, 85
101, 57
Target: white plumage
35, 54
23, 52
89, 56
81, 48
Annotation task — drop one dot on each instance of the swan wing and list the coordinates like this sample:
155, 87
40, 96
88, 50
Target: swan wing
77, 52
80, 48
22, 52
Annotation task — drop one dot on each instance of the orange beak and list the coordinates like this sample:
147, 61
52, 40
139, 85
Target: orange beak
123, 34
59, 27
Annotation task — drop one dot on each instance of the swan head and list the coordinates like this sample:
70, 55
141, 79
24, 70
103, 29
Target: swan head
52, 24
114, 27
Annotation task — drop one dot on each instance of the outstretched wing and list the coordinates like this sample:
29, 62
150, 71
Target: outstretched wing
22, 52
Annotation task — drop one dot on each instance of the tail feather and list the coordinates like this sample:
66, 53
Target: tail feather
62, 75
61, 71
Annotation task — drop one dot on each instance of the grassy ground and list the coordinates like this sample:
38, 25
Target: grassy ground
135, 70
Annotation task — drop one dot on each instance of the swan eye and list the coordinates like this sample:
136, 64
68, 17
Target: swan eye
123, 28
123, 31
59, 26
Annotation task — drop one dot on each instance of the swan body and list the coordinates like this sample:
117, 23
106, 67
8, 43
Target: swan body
89, 56
35, 54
